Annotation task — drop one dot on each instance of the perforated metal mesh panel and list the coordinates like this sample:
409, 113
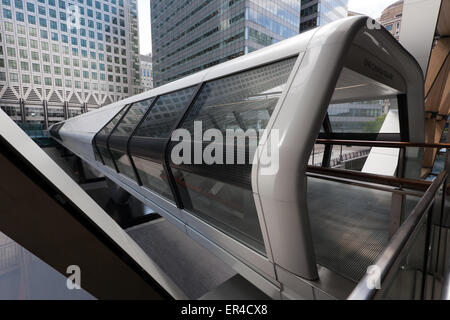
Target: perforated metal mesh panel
350, 226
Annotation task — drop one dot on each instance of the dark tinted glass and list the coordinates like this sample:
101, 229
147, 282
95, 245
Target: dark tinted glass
105, 132
165, 114
153, 177
132, 118
124, 129
123, 163
242, 101
217, 193
159, 124
110, 126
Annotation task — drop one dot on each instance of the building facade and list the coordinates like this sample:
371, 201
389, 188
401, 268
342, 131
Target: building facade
353, 14
62, 58
315, 13
391, 18
146, 72
192, 35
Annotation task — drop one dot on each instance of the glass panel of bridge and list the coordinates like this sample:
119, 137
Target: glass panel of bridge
123, 131
158, 125
221, 194
105, 132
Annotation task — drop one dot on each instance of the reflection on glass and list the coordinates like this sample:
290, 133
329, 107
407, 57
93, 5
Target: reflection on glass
110, 126
105, 132
123, 164
227, 207
124, 129
243, 101
158, 124
153, 177
106, 156
165, 114
132, 118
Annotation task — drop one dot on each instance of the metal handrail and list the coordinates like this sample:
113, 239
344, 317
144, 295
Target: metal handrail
381, 144
445, 295
400, 241
420, 185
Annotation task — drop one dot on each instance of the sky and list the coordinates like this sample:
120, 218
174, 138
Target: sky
145, 30
372, 8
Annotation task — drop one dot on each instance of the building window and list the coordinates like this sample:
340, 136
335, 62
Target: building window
14, 77
9, 27
31, 19
36, 67
12, 64
21, 29
32, 32
11, 52
22, 42
24, 65
25, 78
20, 16
30, 7
10, 39
7, 14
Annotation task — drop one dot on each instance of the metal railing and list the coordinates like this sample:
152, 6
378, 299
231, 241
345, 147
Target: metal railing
420, 185
400, 245
381, 144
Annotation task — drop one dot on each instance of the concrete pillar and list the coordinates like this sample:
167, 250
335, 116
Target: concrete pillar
22, 110
45, 106
66, 110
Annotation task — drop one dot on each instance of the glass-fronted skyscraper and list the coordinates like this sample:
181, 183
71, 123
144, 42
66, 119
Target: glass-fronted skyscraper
61, 58
192, 35
146, 72
315, 13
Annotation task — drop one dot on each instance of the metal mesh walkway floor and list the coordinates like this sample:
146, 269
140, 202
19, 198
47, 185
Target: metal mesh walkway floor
350, 225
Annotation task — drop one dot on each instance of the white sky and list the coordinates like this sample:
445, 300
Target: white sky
372, 8
145, 30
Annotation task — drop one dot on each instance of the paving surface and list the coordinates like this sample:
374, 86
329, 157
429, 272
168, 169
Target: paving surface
194, 269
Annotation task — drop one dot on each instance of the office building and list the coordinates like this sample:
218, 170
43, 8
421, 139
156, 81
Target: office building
391, 18
59, 58
353, 14
146, 72
192, 35
315, 13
